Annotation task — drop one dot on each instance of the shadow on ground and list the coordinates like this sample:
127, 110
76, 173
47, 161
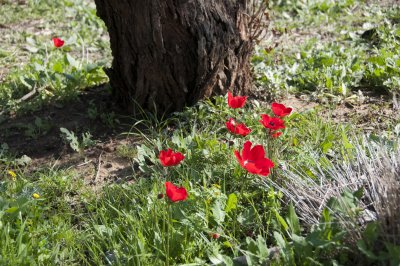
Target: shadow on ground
38, 136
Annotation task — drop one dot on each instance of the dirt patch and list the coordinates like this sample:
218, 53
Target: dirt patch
375, 113
38, 136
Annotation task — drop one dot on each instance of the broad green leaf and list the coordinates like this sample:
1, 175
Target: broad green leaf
280, 240
71, 61
262, 247
218, 213
11, 210
231, 203
58, 67
326, 146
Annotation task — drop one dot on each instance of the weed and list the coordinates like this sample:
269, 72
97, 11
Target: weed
76, 144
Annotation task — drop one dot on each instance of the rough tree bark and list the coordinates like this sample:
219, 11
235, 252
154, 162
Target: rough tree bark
171, 53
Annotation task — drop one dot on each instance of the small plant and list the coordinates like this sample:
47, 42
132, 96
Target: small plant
38, 128
109, 119
92, 111
76, 144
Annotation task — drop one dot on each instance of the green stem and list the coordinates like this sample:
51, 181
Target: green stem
164, 230
168, 232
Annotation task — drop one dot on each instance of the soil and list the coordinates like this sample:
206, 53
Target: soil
372, 113
48, 148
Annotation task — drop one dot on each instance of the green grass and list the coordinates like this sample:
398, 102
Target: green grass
47, 73
332, 49
130, 223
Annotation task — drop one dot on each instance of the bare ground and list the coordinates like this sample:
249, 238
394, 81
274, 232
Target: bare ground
99, 163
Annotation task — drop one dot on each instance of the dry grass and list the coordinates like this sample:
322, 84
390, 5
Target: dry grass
375, 167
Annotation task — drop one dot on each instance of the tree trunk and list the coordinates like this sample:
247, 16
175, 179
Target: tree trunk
171, 53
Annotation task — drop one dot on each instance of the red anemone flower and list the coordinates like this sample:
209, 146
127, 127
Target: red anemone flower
174, 193
276, 135
272, 123
58, 42
254, 160
170, 158
280, 109
236, 101
239, 129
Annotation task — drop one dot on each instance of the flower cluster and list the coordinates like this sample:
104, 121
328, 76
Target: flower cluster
170, 158
236, 102
253, 159
275, 123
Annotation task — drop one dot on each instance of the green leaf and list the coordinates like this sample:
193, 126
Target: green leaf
71, 61
326, 215
280, 240
231, 203
316, 239
293, 220
11, 210
295, 142
326, 146
364, 249
90, 67
328, 83
251, 245
281, 220
262, 247
299, 240
371, 232
346, 141
218, 213
227, 244
246, 217
219, 259
58, 67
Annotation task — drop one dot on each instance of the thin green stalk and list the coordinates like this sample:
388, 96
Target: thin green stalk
168, 232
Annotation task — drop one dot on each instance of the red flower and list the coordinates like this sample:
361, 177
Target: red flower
276, 134
174, 193
254, 160
272, 123
236, 102
58, 42
215, 236
280, 109
170, 158
239, 129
